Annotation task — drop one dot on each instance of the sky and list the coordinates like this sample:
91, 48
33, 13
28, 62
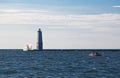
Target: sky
66, 24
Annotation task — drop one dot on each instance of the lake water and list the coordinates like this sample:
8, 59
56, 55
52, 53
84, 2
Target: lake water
59, 64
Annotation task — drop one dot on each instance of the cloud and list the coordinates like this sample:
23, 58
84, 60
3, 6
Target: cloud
21, 11
116, 6
96, 23
78, 31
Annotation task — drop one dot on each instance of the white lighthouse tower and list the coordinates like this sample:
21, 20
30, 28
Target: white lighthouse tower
40, 41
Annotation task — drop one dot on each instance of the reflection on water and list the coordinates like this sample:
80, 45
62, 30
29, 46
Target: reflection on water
58, 64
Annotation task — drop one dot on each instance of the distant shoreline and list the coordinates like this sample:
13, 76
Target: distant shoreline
70, 49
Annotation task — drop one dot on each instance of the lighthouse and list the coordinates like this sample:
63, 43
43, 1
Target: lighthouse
40, 42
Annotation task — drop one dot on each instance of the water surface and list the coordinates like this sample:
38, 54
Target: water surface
58, 64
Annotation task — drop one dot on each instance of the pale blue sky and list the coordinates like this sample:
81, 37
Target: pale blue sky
68, 24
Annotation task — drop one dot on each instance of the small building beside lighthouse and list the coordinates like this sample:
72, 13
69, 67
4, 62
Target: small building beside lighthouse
39, 41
